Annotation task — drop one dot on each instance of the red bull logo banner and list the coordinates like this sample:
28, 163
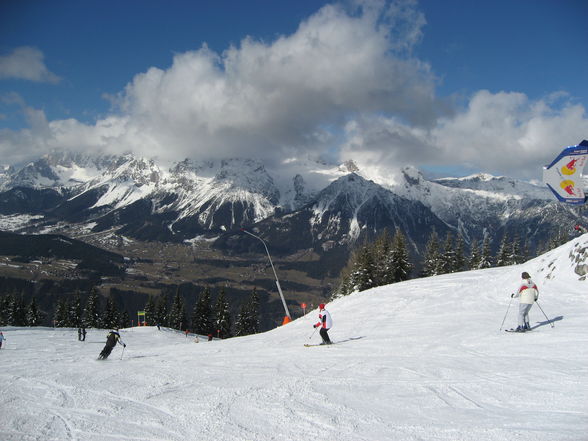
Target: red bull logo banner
564, 175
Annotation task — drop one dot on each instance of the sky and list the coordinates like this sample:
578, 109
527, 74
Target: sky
452, 87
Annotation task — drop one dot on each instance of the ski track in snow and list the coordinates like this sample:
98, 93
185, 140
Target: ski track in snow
420, 360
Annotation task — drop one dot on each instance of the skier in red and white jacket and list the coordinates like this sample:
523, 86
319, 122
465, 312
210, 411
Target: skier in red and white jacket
325, 323
528, 294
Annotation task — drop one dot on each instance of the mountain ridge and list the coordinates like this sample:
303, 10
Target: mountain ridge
192, 198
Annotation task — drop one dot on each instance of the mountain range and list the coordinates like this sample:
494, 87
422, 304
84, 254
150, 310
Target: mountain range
300, 204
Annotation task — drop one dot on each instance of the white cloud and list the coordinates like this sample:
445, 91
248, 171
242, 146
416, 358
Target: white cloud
26, 63
272, 99
504, 133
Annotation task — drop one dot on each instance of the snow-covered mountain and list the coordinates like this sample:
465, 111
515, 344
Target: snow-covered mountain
425, 359
333, 204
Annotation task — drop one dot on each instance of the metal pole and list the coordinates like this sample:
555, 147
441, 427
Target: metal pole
506, 314
274, 270
550, 322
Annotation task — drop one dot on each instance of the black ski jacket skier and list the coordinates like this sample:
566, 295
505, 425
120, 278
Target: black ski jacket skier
113, 338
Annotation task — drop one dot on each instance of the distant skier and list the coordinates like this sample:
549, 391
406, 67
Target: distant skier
580, 229
83, 333
528, 294
111, 340
325, 323
2, 338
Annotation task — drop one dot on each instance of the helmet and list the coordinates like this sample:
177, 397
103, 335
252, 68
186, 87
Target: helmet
525, 275
322, 306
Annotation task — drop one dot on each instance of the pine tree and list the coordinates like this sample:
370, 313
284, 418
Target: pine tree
502, 258
5, 302
363, 275
515, 254
92, 310
460, 263
125, 319
485, 259
254, 311
400, 265
34, 316
18, 312
222, 316
475, 254
346, 285
60, 316
111, 316
384, 260
150, 313
202, 314
75, 311
432, 258
248, 317
177, 314
447, 262
161, 310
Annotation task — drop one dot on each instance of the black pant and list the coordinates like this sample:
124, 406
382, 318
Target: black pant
325, 335
105, 352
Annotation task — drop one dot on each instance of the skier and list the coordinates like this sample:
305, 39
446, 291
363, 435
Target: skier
2, 338
83, 333
325, 323
111, 340
528, 294
79, 334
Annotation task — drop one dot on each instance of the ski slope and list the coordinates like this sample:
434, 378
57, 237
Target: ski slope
419, 360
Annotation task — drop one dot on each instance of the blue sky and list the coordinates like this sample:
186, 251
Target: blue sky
449, 85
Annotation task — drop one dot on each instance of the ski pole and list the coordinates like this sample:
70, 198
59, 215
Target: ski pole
506, 314
550, 322
311, 335
123, 352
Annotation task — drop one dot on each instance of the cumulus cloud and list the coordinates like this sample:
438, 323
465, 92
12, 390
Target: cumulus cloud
503, 133
26, 63
274, 99
345, 83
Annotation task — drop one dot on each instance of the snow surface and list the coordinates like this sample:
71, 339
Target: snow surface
419, 360
14, 222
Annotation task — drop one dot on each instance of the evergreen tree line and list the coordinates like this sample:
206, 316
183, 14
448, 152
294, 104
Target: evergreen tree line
381, 262
70, 313
15, 312
205, 318
386, 259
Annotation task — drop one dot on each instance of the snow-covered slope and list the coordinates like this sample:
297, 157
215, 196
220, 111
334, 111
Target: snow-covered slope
419, 360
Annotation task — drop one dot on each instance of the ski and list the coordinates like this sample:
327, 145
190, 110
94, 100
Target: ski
308, 345
518, 332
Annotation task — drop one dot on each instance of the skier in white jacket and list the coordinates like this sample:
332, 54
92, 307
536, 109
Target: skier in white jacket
325, 323
528, 293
